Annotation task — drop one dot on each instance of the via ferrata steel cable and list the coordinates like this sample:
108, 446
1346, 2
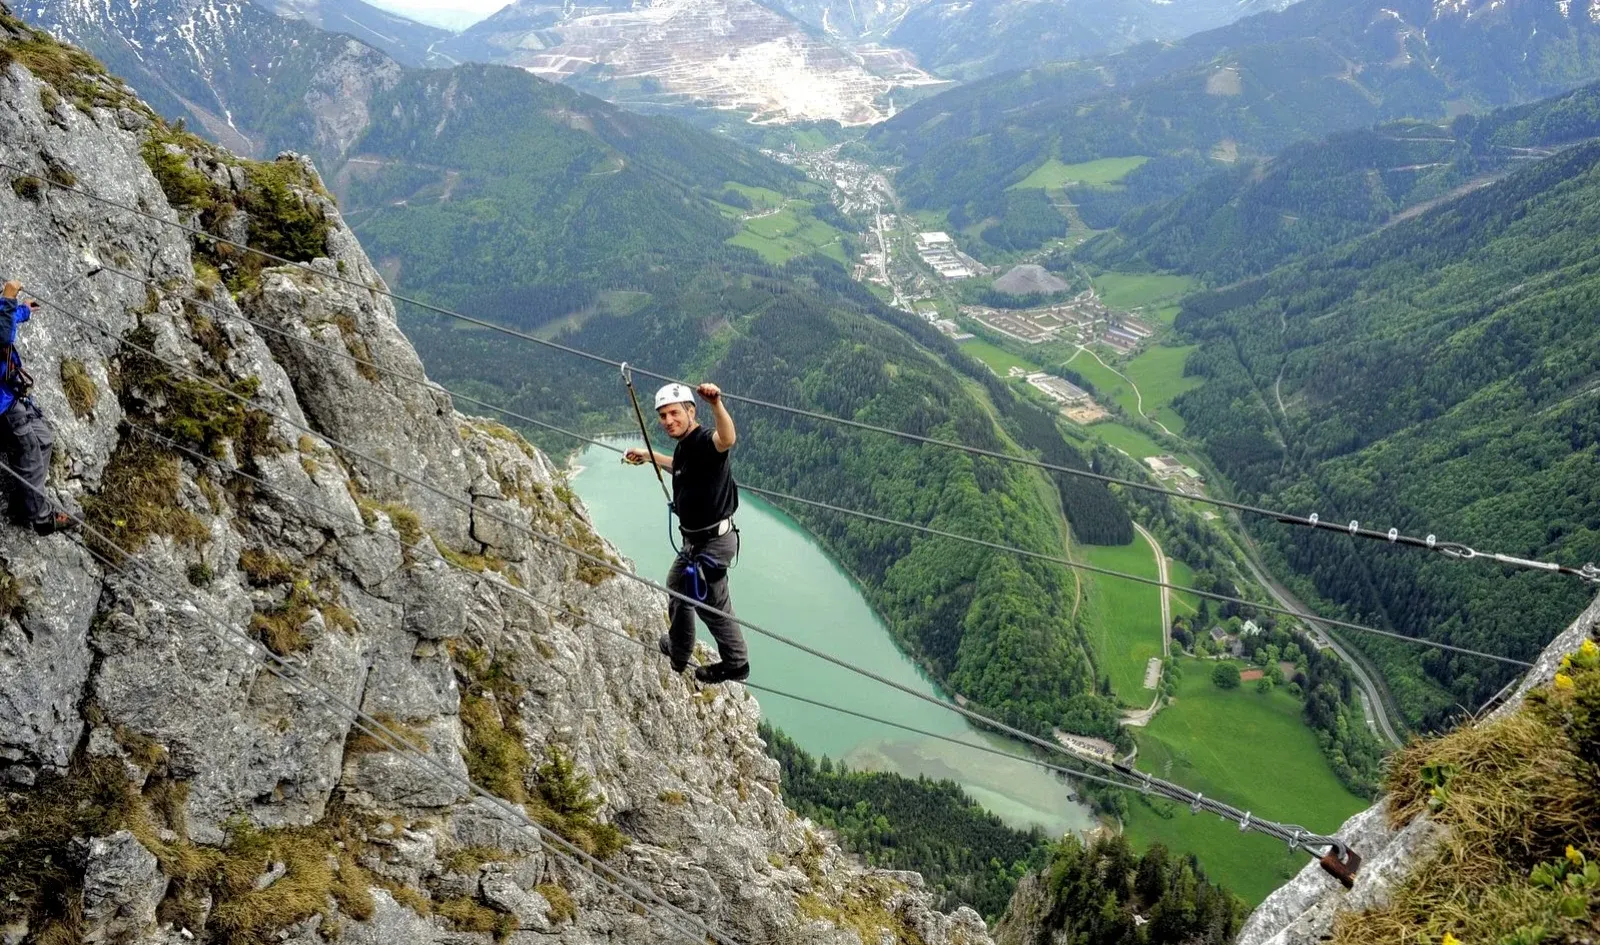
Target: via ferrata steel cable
829, 507
1338, 856
1588, 572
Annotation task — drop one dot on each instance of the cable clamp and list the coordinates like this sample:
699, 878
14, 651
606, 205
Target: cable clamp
1590, 573
1355, 526
1314, 519
1394, 533
1145, 787
1194, 808
1294, 842
1244, 822
1432, 540
1345, 869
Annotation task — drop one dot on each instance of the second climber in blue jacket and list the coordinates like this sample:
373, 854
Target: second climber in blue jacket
25, 438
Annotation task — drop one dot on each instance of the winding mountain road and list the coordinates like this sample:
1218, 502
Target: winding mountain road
1372, 704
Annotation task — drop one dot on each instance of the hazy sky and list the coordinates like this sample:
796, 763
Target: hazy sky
450, 14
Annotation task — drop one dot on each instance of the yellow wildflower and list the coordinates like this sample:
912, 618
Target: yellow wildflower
1590, 652
1566, 662
1574, 856
1563, 682
1450, 940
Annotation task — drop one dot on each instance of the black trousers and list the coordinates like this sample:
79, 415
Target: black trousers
26, 441
729, 637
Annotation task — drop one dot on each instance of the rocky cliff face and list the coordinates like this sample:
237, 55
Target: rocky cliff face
160, 784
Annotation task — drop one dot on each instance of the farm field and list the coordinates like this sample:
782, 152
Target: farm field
999, 359
1127, 439
1251, 750
1108, 385
760, 197
1123, 618
611, 302
1159, 373
1183, 605
1105, 172
1157, 294
790, 232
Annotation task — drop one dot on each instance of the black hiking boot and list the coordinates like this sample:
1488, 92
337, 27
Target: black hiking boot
59, 522
723, 672
665, 642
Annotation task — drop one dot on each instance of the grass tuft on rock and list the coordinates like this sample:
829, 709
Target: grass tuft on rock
562, 908
861, 909
78, 387
37, 828
138, 499
555, 794
13, 597
469, 915
362, 743
1519, 798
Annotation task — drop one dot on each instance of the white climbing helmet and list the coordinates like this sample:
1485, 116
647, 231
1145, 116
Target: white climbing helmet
674, 394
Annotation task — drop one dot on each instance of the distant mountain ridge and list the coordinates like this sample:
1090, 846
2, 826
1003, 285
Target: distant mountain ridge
410, 43
1250, 88
1246, 220
254, 81
961, 39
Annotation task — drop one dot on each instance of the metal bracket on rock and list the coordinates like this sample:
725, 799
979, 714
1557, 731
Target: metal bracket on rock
1343, 870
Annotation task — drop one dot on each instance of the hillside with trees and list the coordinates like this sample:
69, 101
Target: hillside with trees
1245, 90
1248, 219
1104, 892
1438, 377
967, 855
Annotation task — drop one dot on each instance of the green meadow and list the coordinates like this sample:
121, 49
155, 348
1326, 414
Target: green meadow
1104, 172
1122, 618
1251, 750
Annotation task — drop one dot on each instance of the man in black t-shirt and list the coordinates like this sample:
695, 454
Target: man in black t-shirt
705, 497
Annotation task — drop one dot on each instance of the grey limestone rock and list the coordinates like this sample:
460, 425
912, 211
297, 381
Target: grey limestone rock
253, 621
122, 886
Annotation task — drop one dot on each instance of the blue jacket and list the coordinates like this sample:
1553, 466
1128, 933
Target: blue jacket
12, 314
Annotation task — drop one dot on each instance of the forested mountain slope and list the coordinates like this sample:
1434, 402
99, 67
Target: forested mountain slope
1439, 377
1248, 219
1252, 87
